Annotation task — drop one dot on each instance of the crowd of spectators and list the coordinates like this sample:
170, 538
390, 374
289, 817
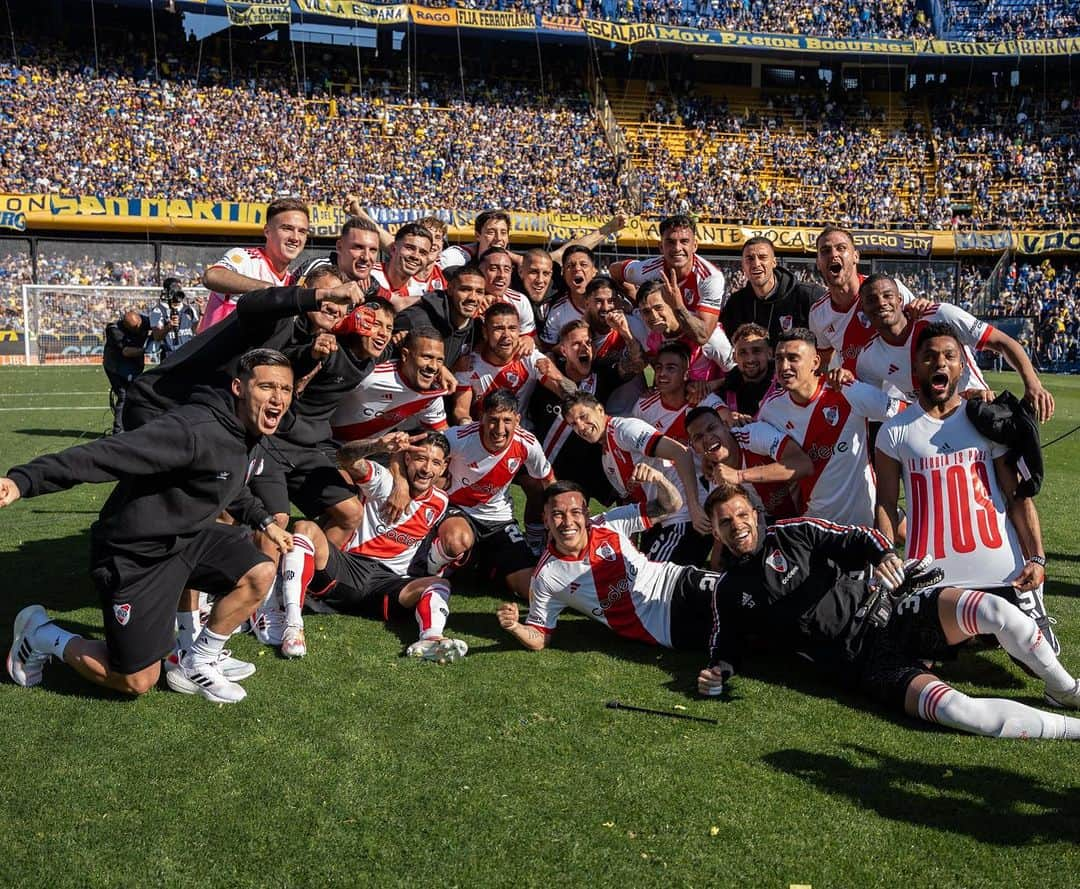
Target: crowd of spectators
1012, 19
1014, 162
175, 139
800, 160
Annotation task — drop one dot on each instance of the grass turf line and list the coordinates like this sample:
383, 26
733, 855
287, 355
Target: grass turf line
357, 767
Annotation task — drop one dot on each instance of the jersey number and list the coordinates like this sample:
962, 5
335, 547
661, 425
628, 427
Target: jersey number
970, 511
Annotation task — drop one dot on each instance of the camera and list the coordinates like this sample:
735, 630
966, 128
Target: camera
173, 293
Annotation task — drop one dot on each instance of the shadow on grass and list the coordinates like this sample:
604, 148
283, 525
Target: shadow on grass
63, 433
989, 804
1059, 588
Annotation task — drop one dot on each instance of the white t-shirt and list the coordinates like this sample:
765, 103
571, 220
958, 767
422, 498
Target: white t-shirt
610, 581
892, 367
846, 331
955, 506
831, 428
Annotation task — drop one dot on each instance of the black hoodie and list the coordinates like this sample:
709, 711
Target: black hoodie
787, 307
209, 358
175, 476
434, 310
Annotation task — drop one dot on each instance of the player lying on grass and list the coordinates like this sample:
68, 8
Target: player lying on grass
158, 534
382, 572
592, 566
788, 584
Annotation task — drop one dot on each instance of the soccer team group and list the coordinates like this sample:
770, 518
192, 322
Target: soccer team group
752, 490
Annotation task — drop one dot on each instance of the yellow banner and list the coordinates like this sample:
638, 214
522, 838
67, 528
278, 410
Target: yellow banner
434, 17
503, 21
258, 14
369, 13
35, 213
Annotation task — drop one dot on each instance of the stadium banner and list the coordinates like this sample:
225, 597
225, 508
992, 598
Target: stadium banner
39, 212
983, 242
368, 13
272, 13
569, 23
647, 32
1048, 242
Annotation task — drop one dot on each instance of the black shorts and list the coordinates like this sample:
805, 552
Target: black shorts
573, 465
138, 602
364, 586
890, 658
678, 543
691, 609
499, 549
303, 475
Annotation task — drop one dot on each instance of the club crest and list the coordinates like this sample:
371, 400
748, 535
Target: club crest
786, 322
777, 562
606, 552
122, 613
513, 463
831, 415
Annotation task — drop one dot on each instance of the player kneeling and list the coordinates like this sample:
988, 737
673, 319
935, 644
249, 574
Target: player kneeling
381, 573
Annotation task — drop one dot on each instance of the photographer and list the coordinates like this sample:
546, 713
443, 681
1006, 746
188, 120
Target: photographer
124, 356
173, 321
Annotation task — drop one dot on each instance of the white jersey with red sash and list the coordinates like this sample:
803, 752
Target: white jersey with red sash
480, 480
401, 297
520, 376
384, 402
702, 287
831, 428
626, 442
456, 255
671, 421
610, 581
891, 367
251, 262
846, 331
395, 544
560, 430
436, 280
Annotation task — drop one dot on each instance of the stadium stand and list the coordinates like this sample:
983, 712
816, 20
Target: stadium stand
990, 19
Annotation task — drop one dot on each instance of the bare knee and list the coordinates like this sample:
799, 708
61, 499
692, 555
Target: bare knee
258, 579
347, 514
456, 537
138, 683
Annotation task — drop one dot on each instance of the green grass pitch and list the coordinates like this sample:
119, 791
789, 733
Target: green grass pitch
356, 767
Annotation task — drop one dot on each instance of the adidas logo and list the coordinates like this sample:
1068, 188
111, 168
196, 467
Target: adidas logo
893, 368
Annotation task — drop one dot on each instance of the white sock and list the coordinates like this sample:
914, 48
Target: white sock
207, 648
51, 639
188, 624
1018, 634
993, 717
296, 569
433, 609
437, 557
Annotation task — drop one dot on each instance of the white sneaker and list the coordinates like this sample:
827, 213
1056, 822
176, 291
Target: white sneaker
293, 643
441, 651
204, 679
1069, 699
268, 625
231, 668
25, 665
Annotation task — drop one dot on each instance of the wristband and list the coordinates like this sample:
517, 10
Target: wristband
1038, 560
265, 524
